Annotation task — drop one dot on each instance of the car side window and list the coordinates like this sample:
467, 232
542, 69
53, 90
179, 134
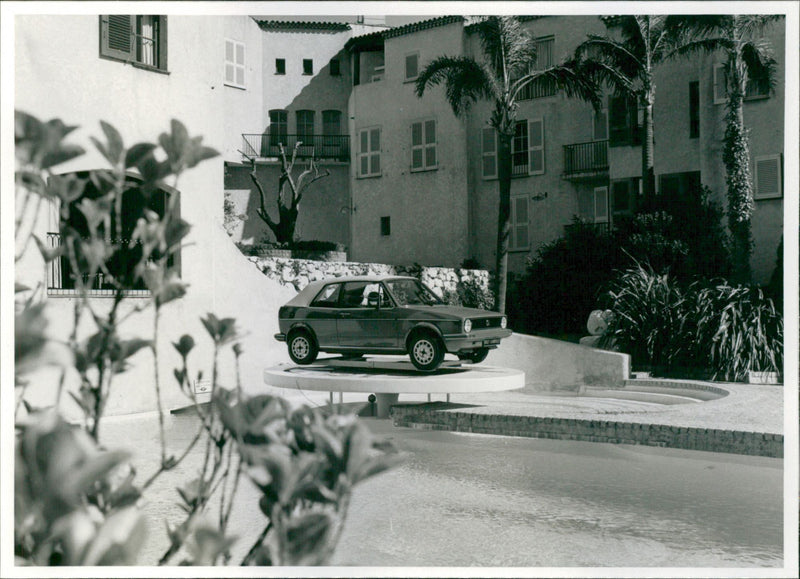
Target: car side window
328, 297
354, 294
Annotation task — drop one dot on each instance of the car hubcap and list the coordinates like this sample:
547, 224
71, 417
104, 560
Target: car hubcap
300, 347
423, 352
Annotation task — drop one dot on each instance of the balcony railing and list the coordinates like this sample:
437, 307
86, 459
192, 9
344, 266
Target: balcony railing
62, 282
582, 158
335, 147
601, 227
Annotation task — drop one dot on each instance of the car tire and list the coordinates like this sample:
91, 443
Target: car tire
426, 351
475, 356
302, 347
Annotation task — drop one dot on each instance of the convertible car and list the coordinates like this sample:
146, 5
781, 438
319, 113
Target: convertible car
361, 315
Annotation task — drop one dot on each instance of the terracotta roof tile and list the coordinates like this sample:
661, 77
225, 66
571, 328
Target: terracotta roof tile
300, 26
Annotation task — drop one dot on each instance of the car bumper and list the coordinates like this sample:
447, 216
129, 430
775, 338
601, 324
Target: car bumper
280, 337
455, 343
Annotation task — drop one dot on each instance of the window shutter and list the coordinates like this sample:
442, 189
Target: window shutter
601, 204
117, 36
720, 84
412, 61
489, 152
536, 146
768, 177
520, 221
416, 145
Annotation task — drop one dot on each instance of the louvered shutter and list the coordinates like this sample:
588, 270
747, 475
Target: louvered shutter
536, 146
117, 36
768, 177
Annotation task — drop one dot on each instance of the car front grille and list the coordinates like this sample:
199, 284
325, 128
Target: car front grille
485, 323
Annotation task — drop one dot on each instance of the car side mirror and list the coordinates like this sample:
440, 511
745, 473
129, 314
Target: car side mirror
373, 299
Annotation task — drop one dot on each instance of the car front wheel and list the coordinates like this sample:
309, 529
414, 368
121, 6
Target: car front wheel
426, 352
302, 348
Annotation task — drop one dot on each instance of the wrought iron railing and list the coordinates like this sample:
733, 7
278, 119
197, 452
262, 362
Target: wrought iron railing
336, 147
601, 227
586, 157
61, 281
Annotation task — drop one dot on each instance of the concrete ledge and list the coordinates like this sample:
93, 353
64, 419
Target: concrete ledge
440, 416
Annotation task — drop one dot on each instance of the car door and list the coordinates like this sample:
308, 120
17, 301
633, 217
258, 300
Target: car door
361, 325
321, 315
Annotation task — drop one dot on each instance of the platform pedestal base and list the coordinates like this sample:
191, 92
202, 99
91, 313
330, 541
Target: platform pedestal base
384, 403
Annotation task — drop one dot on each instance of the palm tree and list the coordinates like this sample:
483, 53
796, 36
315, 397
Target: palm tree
626, 62
498, 76
748, 57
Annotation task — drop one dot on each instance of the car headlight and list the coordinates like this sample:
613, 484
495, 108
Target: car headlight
467, 326
503, 322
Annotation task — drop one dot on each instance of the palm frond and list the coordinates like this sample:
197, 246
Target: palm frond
465, 81
508, 47
613, 53
689, 49
602, 74
753, 26
760, 62
570, 77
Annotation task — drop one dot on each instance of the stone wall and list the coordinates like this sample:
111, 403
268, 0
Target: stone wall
297, 273
431, 416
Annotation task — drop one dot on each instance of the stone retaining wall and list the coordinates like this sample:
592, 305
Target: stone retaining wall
297, 273
431, 416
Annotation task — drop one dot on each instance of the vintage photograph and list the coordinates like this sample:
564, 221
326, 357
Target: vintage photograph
408, 289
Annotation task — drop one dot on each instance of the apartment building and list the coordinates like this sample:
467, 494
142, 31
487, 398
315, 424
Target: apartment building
410, 203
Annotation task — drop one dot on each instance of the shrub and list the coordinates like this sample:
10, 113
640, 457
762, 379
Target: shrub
562, 283
649, 310
735, 330
717, 330
76, 503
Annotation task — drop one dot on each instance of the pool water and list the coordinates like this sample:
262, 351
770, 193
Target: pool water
479, 500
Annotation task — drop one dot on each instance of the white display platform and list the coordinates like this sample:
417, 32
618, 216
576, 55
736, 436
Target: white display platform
388, 378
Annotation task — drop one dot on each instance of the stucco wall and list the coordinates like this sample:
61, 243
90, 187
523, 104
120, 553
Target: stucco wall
324, 210
427, 209
243, 112
557, 365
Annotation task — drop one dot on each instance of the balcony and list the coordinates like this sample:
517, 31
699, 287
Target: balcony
584, 160
331, 147
61, 281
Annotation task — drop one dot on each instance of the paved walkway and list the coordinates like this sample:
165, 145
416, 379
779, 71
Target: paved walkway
747, 420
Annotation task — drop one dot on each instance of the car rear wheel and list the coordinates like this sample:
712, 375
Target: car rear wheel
426, 352
475, 356
302, 348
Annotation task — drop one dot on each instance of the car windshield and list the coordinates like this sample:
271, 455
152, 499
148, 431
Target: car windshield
410, 292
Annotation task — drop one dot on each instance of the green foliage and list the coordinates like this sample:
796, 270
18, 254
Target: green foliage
562, 283
718, 330
75, 502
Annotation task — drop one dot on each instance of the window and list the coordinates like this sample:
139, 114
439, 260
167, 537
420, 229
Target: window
141, 40
234, 63
423, 145
544, 59
305, 125
600, 125
680, 187
694, 110
520, 224
120, 265
369, 152
412, 66
328, 297
332, 143
593, 205
720, 84
757, 87
386, 226
308, 66
519, 149
768, 177
489, 153
623, 121
278, 127
622, 196
334, 68
280, 66
536, 151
